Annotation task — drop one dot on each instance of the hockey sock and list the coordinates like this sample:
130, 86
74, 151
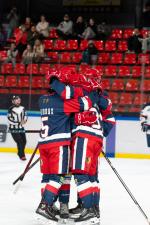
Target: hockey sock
84, 189
96, 190
64, 192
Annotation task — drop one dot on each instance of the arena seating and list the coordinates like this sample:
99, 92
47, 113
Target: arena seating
121, 71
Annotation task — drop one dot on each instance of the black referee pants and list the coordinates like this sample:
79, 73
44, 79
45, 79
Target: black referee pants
20, 139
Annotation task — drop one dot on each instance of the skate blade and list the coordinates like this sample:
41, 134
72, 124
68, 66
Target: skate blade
43, 221
62, 221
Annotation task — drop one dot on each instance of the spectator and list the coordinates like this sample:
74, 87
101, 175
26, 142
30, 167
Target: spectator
65, 28
13, 21
103, 31
90, 54
28, 24
22, 41
43, 27
134, 45
91, 31
32, 36
12, 54
27, 56
38, 51
145, 42
78, 28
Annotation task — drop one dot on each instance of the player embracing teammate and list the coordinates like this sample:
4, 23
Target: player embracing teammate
81, 111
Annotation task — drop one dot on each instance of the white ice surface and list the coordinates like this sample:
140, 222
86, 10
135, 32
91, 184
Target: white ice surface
117, 208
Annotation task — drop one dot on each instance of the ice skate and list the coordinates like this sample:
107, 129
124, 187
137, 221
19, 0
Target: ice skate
86, 215
64, 211
46, 211
75, 212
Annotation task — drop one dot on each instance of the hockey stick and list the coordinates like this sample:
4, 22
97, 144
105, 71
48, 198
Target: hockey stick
30, 167
125, 186
20, 131
21, 177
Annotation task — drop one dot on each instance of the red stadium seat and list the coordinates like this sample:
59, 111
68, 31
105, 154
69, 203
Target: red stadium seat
24, 82
60, 45
144, 32
100, 69
48, 44
110, 71
106, 84
130, 58
58, 66
32, 69
110, 46
124, 71
46, 84
3, 55
53, 56
116, 58
53, 33
116, 34
147, 72
136, 71
19, 68
65, 57
83, 45
126, 99
72, 67
146, 85
72, 45
37, 82
134, 109
44, 68
1, 81
76, 57
122, 46
4, 90
104, 58
132, 85
16, 91
99, 45
143, 58
118, 85
114, 97
6, 68
11, 81
127, 33
140, 99
84, 67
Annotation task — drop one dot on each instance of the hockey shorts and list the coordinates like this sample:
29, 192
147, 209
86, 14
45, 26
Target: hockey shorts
84, 155
54, 160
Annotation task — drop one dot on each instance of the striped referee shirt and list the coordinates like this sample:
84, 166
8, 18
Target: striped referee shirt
16, 114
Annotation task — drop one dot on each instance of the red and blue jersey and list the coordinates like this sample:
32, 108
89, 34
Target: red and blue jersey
55, 117
105, 118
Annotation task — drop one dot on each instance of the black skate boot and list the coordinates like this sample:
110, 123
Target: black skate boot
46, 211
86, 214
76, 212
97, 211
56, 210
64, 211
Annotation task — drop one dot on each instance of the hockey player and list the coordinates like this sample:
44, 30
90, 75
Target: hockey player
17, 117
145, 121
54, 144
86, 145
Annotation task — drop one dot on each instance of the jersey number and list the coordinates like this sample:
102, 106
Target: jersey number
45, 128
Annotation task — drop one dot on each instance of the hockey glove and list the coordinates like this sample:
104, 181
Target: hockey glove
87, 118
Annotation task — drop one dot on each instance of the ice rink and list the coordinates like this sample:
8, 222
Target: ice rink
117, 208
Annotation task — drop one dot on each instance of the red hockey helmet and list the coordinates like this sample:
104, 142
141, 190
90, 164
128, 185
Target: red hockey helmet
85, 83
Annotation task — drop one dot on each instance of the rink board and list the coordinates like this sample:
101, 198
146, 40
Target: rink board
125, 140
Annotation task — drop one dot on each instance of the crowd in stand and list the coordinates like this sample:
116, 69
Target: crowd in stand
29, 47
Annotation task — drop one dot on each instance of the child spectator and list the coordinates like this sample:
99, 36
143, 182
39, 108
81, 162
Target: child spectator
38, 51
27, 56
145, 42
12, 54
90, 54
43, 27
65, 28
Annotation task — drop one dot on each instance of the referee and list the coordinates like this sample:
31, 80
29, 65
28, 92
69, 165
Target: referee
17, 117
